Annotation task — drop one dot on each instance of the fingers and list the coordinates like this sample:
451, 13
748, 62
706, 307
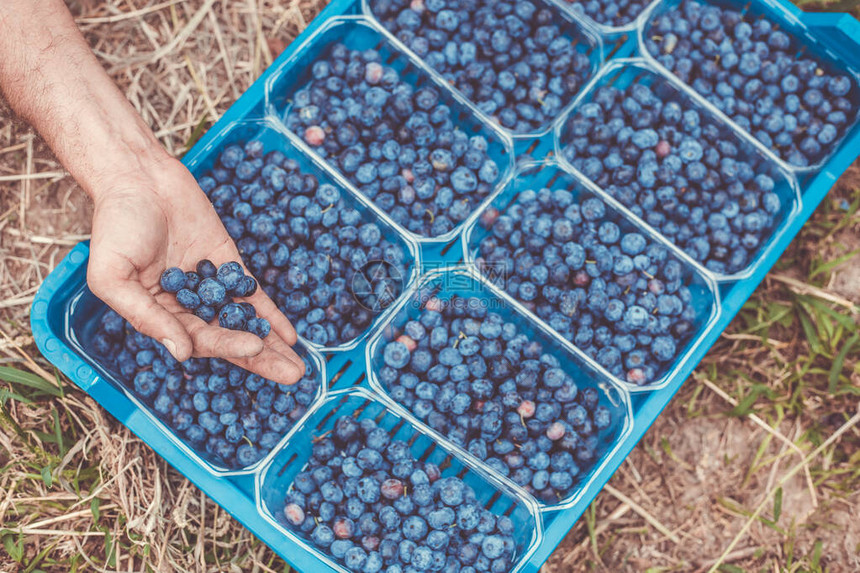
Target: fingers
274, 366
266, 308
214, 341
279, 346
271, 358
137, 305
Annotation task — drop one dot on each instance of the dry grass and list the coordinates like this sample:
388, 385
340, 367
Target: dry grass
769, 415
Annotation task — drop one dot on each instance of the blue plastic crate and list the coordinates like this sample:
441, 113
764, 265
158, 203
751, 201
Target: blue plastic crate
64, 312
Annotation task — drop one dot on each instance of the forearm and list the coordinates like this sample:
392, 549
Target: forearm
52, 79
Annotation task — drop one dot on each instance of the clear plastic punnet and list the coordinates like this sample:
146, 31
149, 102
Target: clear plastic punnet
623, 75
81, 329
704, 301
276, 479
443, 288
360, 34
583, 39
831, 53
275, 138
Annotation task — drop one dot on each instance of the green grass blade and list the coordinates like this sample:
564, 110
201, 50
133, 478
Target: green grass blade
196, 133
830, 265
777, 504
839, 362
19, 377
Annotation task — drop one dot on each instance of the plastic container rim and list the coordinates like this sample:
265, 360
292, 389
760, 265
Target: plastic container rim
607, 31
370, 395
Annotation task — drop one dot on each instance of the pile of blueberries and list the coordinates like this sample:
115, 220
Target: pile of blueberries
325, 264
614, 13
208, 292
678, 169
752, 72
400, 145
231, 416
511, 57
367, 501
616, 294
495, 391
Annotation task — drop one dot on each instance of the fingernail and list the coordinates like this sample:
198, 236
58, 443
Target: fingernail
170, 346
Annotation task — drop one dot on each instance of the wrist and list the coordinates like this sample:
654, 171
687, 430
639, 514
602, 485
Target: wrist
118, 159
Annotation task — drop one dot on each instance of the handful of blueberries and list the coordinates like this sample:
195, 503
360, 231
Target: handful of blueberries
494, 391
367, 501
617, 295
312, 251
231, 416
758, 75
678, 169
208, 293
511, 57
400, 145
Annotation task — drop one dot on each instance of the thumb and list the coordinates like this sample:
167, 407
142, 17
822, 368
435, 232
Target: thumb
140, 308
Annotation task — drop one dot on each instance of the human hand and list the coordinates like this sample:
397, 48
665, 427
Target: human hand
157, 217
150, 214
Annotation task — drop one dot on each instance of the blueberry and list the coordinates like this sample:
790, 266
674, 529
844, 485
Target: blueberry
232, 316
230, 275
414, 528
396, 354
206, 313
188, 299
258, 326
145, 383
211, 292
172, 280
